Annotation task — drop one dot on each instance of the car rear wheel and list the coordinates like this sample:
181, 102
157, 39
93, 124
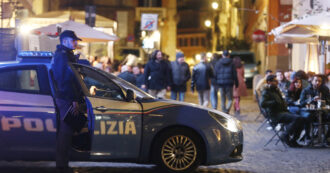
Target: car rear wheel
178, 150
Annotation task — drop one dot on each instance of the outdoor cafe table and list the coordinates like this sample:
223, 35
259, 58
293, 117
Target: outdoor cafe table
318, 113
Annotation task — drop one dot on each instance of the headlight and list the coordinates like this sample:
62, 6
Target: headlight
229, 123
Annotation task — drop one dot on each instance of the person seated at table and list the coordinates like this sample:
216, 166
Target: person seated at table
310, 95
262, 82
283, 83
276, 107
293, 95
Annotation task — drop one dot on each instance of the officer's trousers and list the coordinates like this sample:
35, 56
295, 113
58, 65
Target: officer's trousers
64, 136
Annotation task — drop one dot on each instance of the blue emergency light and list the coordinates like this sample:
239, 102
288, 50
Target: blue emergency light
34, 56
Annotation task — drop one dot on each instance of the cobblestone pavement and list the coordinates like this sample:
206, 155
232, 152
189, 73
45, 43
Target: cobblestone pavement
272, 159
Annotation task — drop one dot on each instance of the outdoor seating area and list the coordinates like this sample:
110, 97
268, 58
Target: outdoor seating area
301, 111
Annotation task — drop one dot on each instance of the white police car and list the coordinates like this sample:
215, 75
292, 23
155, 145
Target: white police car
124, 123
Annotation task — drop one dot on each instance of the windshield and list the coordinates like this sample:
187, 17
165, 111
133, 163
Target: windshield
126, 85
247, 58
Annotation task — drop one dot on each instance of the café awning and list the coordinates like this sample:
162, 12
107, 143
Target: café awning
83, 31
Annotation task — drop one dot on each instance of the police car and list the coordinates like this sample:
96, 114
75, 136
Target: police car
124, 123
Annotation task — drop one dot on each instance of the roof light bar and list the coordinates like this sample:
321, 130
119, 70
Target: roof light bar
34, 54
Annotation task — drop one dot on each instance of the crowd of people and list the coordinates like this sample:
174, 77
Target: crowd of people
288, 98
160, 75
284, 95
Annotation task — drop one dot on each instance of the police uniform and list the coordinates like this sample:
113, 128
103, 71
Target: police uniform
66, 93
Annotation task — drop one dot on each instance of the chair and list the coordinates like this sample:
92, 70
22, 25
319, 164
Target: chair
272, 124
262, 112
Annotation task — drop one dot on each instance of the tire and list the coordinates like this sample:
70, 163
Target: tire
178, 150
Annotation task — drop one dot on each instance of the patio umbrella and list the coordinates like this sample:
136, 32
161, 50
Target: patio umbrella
310, 28
83, 31
313, 28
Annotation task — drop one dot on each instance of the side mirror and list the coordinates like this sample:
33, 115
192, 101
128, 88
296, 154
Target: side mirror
130, 95
258, 63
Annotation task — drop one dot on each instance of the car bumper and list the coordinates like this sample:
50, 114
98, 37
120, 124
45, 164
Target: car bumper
228, 149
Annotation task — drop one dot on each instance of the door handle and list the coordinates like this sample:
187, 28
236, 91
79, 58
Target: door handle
101, 108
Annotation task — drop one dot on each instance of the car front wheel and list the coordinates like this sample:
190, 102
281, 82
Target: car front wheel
178, 150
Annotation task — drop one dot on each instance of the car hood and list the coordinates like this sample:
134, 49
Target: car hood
169, 102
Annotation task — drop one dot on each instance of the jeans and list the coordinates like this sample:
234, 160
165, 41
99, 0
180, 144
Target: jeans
203, 97
174, 95
294, 110
294, 123
226, 93
214, 96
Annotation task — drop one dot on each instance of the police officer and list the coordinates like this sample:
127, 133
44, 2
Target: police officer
67, 94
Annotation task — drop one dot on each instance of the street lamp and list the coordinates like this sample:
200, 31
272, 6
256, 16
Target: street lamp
208, 23
215, 5
216, 27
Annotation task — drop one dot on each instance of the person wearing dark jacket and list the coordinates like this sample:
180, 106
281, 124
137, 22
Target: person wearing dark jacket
127, 75
157, 75
214, 85
283, 83
293, 95
275, 106
202, 73
180, 76
311, 95
139, 76
67, 95
226, 78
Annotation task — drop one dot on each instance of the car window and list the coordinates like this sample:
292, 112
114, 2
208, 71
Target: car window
99, 85
19, 80
126, 85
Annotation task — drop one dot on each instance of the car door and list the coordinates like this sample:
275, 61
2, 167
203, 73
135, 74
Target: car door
27, 113
117, 123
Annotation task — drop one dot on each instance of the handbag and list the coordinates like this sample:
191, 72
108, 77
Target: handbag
76, 122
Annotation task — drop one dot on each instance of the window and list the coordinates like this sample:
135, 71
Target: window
99, 85
180, 42
203, 41
185, 42
192, 41
19, 80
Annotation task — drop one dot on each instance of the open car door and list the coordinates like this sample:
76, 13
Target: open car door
117, 122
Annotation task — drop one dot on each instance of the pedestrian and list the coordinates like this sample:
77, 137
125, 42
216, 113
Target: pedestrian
180, 76
138, 71
97, 63
226, 78
67, 95
201, 76
115, 67
241, 89
156, 75
214, 85
127, 75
